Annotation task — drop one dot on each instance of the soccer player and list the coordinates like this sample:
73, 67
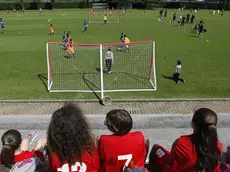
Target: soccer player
122, 37
199, 151
85, 26
165, 13
179, 19
2, 25
177, 72
109, 60
145, 13
201, 29
182, 21
126, 42
187, 18
70, 48
192, 19
68, 36
222, 13
123, 149
105, 19
51, 30
70, 144
174, 17
64, 37
40, 10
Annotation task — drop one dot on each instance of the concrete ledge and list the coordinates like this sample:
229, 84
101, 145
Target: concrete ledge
117, 100
148, 121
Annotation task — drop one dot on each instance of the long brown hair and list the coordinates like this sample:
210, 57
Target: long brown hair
11, 141
206, 139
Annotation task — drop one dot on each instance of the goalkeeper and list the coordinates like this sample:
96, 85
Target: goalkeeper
109, 60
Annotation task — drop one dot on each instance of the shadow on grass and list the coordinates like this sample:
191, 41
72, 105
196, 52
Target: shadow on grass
168, 77
90, 84
44, 80
193, 36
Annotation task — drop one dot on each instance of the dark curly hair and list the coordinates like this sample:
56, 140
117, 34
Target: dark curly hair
119, 121
205, 138
69, 134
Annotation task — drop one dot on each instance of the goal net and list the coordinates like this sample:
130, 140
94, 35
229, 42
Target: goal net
97, 16
85, 70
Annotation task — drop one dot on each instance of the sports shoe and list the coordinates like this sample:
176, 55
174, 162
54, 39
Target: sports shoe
109, 72
32, 135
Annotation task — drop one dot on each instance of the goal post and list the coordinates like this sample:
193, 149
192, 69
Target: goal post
133, 68
97, 16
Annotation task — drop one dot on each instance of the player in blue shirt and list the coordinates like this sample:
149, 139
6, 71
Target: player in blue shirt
122, 37
2, 25
64, 37
85, 26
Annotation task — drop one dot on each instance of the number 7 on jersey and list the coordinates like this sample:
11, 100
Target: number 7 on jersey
128, 159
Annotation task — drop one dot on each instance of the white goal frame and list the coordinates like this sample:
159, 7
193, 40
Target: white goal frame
102, 90
102, 11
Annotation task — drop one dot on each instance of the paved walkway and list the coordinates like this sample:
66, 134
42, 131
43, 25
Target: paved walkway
156, 107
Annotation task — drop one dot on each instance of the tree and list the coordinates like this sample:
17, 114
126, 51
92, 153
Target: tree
52, 3
21, 3
38, 4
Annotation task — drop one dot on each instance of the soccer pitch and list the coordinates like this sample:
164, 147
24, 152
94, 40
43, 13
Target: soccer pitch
205, 64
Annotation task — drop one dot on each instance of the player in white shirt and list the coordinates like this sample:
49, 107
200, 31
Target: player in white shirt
109, 59
177, 72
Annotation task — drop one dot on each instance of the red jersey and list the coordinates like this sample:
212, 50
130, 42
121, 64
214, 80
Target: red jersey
158, 156
28, 154
90, 163
118, 151
185, 156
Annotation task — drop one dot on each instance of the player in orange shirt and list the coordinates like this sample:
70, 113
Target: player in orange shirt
51, 30
199, 151
126, 42
70, 48
123, 149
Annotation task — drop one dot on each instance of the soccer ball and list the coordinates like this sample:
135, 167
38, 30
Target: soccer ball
207, 40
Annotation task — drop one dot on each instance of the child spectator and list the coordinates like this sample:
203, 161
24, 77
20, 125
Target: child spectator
70, 143
16, 149
199, 151
123, 149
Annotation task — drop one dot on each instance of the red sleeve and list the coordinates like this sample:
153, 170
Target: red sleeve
40, 155
101, 148
158, 157
29, 154
52, 164
101, 153
95, 160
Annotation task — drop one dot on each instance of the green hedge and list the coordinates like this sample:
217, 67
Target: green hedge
35, 5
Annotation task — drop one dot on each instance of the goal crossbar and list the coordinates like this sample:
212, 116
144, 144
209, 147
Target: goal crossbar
97, 16
133, 70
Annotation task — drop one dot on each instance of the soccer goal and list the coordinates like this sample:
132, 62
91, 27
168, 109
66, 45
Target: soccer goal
133, 68
97, 16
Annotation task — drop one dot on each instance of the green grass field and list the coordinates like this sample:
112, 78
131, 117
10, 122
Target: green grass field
205, 64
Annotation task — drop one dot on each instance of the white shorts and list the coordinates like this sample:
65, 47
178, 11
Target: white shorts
127, 46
